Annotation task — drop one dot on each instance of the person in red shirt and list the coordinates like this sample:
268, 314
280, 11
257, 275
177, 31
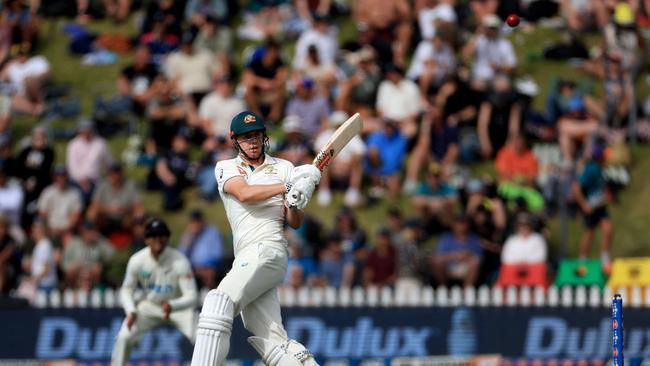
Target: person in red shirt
516, 162
381, 265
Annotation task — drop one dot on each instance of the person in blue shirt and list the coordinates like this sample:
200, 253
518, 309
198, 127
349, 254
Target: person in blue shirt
458, 256
590, 193
387, 149
203, 245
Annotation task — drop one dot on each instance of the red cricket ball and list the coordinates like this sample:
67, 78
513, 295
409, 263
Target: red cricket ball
512, 20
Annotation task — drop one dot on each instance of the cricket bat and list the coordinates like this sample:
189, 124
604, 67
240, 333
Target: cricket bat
337, 142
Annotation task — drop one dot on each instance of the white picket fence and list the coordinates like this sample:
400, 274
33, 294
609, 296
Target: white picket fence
579, 296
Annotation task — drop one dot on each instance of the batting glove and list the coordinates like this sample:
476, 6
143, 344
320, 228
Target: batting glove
305, 171
300, 193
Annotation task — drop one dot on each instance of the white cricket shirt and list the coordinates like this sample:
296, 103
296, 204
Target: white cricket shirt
259, 222
169, 278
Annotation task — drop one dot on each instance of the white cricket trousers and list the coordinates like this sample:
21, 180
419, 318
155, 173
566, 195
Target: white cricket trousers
149, 316
251, 285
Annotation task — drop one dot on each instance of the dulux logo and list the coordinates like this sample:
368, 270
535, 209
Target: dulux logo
361, 340
551, 337
63, 337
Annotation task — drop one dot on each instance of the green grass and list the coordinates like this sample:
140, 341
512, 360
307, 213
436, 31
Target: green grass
630, 214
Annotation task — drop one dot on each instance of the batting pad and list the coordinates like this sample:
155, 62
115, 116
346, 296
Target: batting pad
213, 330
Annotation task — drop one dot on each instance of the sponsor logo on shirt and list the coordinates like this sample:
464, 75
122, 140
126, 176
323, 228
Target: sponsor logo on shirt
270, 170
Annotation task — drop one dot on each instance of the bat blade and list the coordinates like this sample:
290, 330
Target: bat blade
337, 142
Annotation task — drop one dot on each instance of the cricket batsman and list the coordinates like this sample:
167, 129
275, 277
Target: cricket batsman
170, 297
253, 187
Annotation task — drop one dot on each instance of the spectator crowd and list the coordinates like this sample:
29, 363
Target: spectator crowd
440, 88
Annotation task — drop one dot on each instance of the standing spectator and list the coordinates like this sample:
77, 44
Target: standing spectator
358, 89
458, 256
87, 156
11, 197
191, 71
312, 108
172, 170
136, 81
493, 53
387, 149
516, 162
43, 271
9, 257
320, 36
167, 113
590, 194
219, 107
60, 205
499, 117
381, 265
85, 258
34, 165
342, 169
115, 202
399, 99
294, 146
264, 79
203, 245
336, 268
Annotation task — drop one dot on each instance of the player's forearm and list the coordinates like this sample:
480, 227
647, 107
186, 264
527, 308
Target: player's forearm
126, 295
258, 192
295, 217
187, 300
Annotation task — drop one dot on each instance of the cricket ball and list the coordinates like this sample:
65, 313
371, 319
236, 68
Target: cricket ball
512, 20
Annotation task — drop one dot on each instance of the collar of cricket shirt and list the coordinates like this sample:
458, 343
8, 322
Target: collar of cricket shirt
268, 160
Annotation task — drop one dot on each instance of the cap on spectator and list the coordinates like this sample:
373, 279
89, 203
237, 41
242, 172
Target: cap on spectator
491, 21
187, 38
337, 118
155, 228
392, 68
623, 14
291, 124
307, 83
85, 124
474, 186
196, 215
576, 104
115, 167
60, 170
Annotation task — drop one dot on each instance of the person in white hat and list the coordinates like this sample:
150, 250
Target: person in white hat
341, 168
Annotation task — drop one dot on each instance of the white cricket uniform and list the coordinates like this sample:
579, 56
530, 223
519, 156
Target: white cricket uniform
259, 244
170, 278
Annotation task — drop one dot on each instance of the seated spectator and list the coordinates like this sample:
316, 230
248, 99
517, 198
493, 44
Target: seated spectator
19, 26
265, 19
294, 146
171, 170
87, 156
213, 150
357, 91
215, 39
458, 256
160, 40
85, 258
516, 162
387, 149
136, 81
264, 78
381, 264
199, 12
26, 74
433, 62
434, 15
341, 170
42, 268
118, 10
399, 99
9, 257
219, 107
408, 253
323, 74
584, 15
115, 203
34, 168
167, 113
192, 71
576, 126
336, 268
202, 244
435, 199
168, 11
524, 254
322, 37
312, 108
499, 117
493, 54
60, 205
590, 193
11, 197
301, 269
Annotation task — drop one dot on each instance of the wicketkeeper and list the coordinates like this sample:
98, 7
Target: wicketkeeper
260, 193
170, 294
